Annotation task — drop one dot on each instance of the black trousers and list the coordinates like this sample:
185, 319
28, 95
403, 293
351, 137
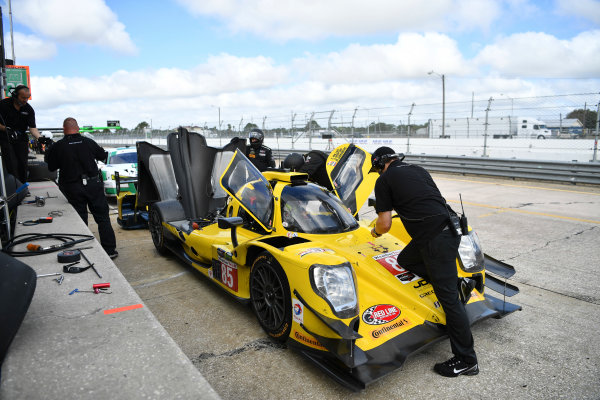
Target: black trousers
21, 151
92, 195
435, 261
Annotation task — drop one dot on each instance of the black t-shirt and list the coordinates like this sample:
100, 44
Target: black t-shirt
410, 191
314, 166
261, 158
19, 120
75, 156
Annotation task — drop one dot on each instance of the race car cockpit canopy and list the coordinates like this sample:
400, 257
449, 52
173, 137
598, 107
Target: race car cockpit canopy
244, 182
348, 168
191, 176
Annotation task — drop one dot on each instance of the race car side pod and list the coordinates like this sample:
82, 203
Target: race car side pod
343, 348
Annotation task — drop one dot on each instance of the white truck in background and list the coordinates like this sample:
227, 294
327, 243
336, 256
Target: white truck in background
497, 127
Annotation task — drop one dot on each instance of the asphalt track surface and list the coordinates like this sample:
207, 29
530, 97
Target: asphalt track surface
550, 350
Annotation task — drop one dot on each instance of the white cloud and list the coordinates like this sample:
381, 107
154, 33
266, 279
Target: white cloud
221, 74
412, 56
75, 21
279, 20
536, 54
29, 47
587, 9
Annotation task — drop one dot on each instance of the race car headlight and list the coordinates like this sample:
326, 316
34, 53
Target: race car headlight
470, 253
335, 284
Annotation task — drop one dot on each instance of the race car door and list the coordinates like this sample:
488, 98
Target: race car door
244, 182
348, 168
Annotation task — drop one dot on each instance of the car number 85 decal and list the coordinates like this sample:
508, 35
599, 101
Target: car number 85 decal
225, 271
390, 262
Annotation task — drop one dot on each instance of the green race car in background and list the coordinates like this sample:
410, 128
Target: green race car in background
123, 161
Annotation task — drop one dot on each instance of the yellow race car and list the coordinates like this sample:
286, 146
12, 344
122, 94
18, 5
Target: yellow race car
314, 276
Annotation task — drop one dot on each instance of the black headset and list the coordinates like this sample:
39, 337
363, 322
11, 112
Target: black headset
378, 162
15, 91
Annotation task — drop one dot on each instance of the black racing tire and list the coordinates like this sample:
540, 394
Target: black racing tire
38, 171
157, 232
541, 137
270, 297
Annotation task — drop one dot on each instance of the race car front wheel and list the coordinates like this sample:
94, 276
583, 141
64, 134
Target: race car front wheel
156, 231
270, 297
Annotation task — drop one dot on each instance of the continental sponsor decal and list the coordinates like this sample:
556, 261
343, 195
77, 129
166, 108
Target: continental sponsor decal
307, 340
380, 314
403, 323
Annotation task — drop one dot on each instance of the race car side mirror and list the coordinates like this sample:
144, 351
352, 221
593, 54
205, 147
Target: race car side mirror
231, 223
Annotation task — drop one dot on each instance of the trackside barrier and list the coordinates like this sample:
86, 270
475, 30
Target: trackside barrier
566, 172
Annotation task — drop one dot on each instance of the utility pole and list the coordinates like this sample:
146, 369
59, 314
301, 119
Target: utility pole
353, 115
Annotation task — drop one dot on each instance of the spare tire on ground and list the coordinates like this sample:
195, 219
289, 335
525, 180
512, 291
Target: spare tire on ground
38, 171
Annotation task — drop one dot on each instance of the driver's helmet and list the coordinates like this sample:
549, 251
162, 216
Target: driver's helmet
256, 137
293, 161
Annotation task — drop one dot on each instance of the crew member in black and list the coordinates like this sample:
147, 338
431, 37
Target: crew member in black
16, 116
261, 156
78, 180
312, 163
410, 191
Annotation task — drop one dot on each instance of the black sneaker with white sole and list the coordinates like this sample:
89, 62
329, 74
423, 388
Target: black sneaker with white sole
455, 367
114, 254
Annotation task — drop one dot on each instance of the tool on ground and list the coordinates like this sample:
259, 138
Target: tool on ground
30, 222
90, 264
69, 256
40, 201
96, 289
53, 274
70, 269
60, 279
38, 248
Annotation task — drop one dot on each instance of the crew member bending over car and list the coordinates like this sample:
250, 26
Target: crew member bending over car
410, 191
261, 156
312, 163
78, 180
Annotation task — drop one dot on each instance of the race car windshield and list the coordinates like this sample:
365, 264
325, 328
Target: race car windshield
310, 209
123, 158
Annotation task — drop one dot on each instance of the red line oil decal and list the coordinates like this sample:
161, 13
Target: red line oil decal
380, 314
389, 261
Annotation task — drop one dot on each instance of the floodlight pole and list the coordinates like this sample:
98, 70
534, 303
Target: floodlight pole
595, 158
12, 40
485, 134
443, 101
353, 115
408, 132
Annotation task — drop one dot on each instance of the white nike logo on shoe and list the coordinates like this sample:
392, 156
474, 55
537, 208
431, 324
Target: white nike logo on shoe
459, 371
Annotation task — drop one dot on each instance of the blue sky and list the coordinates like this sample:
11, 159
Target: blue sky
179, 61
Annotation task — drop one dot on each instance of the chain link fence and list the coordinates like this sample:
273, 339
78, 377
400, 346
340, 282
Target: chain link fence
561, 127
